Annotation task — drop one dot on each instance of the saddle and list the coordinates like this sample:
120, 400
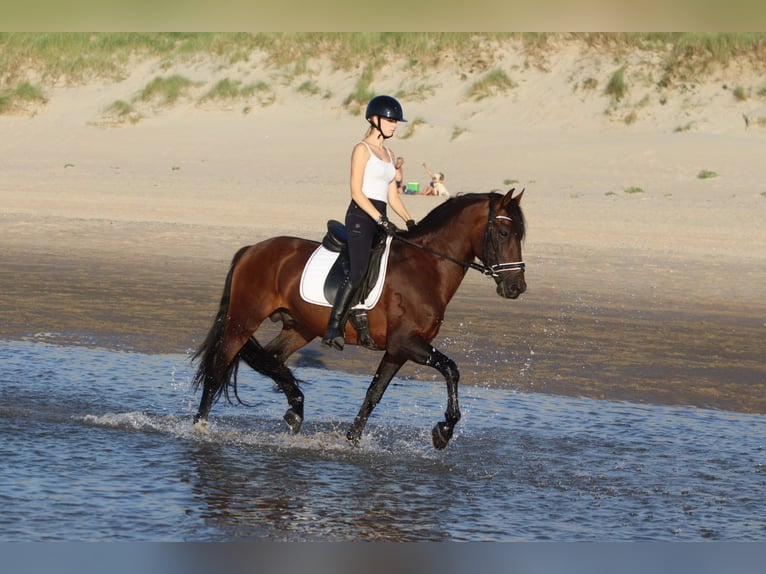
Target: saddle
336, 240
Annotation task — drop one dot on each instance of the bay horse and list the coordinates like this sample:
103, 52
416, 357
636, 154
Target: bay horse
425, 268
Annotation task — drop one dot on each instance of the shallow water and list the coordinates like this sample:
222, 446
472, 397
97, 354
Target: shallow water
98, 445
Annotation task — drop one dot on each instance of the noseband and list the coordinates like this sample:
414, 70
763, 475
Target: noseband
487, 270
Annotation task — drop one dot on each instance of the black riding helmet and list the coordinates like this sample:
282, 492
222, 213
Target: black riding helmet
384, 107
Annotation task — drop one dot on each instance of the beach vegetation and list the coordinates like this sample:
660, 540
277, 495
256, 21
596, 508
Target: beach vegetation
493, 82
706, 174
362, 93
739, 94
590, 83
309, 88
122, 111
165, 90
684, 127
457, 131
411, 127
679, 59
23, 93
228, 89
633, 189
616, 87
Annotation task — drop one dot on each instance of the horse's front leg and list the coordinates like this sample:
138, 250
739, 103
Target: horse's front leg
387, 369
442, 432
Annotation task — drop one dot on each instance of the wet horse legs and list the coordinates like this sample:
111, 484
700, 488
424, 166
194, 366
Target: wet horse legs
386, 370
442, 432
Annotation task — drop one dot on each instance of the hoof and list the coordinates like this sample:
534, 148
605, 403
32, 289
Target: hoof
441, 435
353, 438
200, 425
293, 420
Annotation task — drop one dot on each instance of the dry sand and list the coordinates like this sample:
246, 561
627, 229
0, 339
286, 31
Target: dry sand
121, 235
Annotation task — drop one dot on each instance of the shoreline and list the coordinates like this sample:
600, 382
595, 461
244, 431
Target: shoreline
645, 279
605, 344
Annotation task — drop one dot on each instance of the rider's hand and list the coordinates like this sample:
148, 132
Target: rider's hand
387, 226
410, 224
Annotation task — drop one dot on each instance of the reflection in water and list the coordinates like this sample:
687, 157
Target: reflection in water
99, 445
277, 495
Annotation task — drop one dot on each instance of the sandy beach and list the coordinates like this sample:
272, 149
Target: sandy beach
645, 280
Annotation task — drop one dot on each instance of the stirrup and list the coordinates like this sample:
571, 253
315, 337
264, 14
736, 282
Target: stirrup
334, 340
359, 321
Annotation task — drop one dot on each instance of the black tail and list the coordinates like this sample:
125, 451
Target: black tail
211, 374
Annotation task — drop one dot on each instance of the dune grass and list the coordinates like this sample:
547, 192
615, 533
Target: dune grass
167, 90
616, 86
73, 58
493, 82
25, 92
77, 56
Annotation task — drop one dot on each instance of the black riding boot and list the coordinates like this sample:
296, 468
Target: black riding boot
359, 320
334, 337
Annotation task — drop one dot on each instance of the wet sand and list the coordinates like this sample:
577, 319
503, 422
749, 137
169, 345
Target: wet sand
599, 334
120, 235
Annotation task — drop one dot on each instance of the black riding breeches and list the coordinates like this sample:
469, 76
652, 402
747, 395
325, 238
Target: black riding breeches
362, 229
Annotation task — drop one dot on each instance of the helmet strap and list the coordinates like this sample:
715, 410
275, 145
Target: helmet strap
377, 127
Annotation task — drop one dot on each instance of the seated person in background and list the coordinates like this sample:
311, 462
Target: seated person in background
399, 177
436, 187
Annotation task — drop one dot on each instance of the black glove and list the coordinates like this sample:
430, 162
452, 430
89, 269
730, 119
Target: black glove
387, 226
410, 224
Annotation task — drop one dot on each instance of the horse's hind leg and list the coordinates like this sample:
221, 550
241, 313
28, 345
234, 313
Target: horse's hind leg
386, 371
270, 361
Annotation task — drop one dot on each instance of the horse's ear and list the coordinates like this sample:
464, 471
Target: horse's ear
509, 197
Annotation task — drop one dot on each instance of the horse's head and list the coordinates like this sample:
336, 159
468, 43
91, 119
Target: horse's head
501, 251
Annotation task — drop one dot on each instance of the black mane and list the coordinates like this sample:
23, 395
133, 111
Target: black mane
446, 211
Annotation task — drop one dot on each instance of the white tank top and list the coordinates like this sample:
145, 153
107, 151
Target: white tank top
378, 174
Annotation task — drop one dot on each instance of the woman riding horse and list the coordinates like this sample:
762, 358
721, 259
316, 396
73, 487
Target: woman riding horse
373, 187
425, 268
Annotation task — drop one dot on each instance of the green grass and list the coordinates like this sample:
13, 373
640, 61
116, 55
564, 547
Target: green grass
165, 90
228, 89
634, 189
362, 93
120, 109
706, 174
73, 58
25, 92
616, 86
739, 94
411, 127
457, 131
493, 82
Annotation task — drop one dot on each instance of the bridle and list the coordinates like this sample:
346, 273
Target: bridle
487, 270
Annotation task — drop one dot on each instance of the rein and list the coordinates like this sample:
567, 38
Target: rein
486, 270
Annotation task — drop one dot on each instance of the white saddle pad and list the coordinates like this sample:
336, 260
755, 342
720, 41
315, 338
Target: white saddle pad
319, 265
